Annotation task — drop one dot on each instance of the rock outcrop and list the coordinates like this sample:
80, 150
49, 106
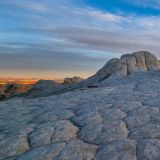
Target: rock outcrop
126, 65
72, 80
114, 70
46, 84
43, 87
13, 89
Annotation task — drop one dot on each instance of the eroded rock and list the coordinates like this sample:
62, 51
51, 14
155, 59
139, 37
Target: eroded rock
108, 132
148, 149
120, 150
12, 146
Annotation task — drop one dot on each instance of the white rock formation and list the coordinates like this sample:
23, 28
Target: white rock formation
126, 65
118, 122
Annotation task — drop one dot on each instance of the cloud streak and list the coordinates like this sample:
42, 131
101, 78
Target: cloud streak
30, 5
155, 4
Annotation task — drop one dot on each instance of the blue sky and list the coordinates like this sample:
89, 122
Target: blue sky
59, 38
142, 7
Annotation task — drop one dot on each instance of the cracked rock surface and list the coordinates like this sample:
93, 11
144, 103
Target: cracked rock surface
120, 121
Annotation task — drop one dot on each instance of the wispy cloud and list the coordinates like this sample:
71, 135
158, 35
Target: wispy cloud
155, 4
65, 36
76, 27
34, 6
31, 5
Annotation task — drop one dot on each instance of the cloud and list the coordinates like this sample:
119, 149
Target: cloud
115, 41
30, 5
34, 6
62, 36
155, 4
46, 62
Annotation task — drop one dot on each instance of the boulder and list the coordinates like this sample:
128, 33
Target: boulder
72, 80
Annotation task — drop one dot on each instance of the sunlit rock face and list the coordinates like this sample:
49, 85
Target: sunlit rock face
72, 80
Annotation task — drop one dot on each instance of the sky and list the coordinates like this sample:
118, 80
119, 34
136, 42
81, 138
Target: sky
64, 38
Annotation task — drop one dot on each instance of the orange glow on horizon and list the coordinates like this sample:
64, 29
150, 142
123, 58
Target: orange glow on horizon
27, 77
18, 81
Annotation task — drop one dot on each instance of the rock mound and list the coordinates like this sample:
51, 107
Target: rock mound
126, 65
43, 87
72, 80
45, 84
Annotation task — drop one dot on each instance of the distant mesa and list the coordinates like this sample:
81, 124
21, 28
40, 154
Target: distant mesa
72, 80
